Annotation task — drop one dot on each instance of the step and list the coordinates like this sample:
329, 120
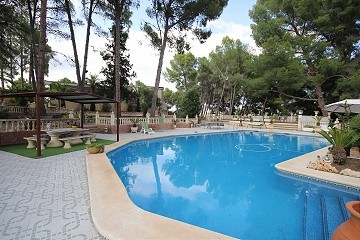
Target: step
343, 200
332, 215
313, 220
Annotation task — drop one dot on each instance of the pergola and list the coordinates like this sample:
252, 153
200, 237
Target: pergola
77, 97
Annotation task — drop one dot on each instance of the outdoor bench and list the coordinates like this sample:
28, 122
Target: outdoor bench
93, 138
256, 124
31, 142
67, 140
214, 124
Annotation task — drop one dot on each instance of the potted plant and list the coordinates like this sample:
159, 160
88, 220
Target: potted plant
350, 229
134, 126
318, 120
74, 125
308, 128
174, 121
272, 118
95, 148
340, 139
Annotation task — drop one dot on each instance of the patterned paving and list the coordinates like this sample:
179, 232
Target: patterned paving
45, 198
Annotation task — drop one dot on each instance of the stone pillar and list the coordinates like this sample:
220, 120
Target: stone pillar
299, 120
187, 119
148, 117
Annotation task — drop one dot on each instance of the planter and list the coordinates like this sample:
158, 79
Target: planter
306, 129
93, 150
133, 129
350, 229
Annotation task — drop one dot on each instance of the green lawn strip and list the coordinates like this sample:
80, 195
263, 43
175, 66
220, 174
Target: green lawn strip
20, 149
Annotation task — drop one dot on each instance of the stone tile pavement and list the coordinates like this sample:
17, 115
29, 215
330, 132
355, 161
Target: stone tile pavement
45, 198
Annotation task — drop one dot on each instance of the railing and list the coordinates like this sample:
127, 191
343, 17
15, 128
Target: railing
19, 109
16, 125
310, 121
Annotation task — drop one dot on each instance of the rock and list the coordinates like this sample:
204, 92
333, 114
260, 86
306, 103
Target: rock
351, 173
322, 166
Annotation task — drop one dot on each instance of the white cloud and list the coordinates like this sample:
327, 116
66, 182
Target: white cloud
143, 57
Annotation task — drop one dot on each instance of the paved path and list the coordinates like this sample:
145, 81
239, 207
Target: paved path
45, 198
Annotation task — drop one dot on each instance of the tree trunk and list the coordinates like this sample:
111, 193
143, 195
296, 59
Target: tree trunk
89, 21
42, 49
32, 15
158, 72
318, 88
118, 11
72, 34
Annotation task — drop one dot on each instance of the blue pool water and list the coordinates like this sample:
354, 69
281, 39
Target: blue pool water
227, 183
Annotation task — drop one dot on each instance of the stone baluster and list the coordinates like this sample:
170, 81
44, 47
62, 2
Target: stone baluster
97, 118
112, 118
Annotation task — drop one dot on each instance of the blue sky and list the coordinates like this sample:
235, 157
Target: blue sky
234, 22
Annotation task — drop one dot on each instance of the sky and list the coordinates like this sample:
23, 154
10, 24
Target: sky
234, 22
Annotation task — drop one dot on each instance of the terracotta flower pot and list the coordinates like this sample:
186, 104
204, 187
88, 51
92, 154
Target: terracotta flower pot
93, 150
350, 229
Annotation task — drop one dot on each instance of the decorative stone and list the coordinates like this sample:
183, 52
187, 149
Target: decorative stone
354, 152
351, 173
322, 166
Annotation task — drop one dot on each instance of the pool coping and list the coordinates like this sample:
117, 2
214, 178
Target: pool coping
115, 216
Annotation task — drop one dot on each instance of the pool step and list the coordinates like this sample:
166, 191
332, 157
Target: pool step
323, 214
313, 218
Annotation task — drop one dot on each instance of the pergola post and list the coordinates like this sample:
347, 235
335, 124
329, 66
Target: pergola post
82, 115
117, 121
38, 124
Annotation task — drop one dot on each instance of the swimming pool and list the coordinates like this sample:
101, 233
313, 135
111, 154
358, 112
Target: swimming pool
227, 183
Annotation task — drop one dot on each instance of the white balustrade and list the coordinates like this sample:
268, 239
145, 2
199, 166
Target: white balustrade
15, 125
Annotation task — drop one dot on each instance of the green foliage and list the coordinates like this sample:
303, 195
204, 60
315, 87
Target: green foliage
107, 86
354, 125
96, 145
145, 96
4, 114
318, 119
339, 138
106, 107
189, 103
183, 71
134, 121
304, 33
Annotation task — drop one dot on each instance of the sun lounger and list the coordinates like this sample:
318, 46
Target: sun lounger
145, 128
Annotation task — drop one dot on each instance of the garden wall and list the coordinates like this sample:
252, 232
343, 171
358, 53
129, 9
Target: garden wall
8, 138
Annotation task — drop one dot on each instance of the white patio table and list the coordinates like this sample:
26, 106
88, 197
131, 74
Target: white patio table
55, 134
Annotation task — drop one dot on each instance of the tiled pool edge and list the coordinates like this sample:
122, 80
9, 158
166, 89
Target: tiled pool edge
115, 216
297, 166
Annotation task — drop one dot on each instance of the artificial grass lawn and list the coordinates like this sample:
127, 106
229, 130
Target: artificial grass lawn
20, 149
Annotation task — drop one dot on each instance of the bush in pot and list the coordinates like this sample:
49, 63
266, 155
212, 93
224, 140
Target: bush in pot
95, 148
340, 139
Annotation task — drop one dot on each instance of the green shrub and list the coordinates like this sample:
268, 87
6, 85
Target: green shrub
354, 124
106, 107
4, 114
